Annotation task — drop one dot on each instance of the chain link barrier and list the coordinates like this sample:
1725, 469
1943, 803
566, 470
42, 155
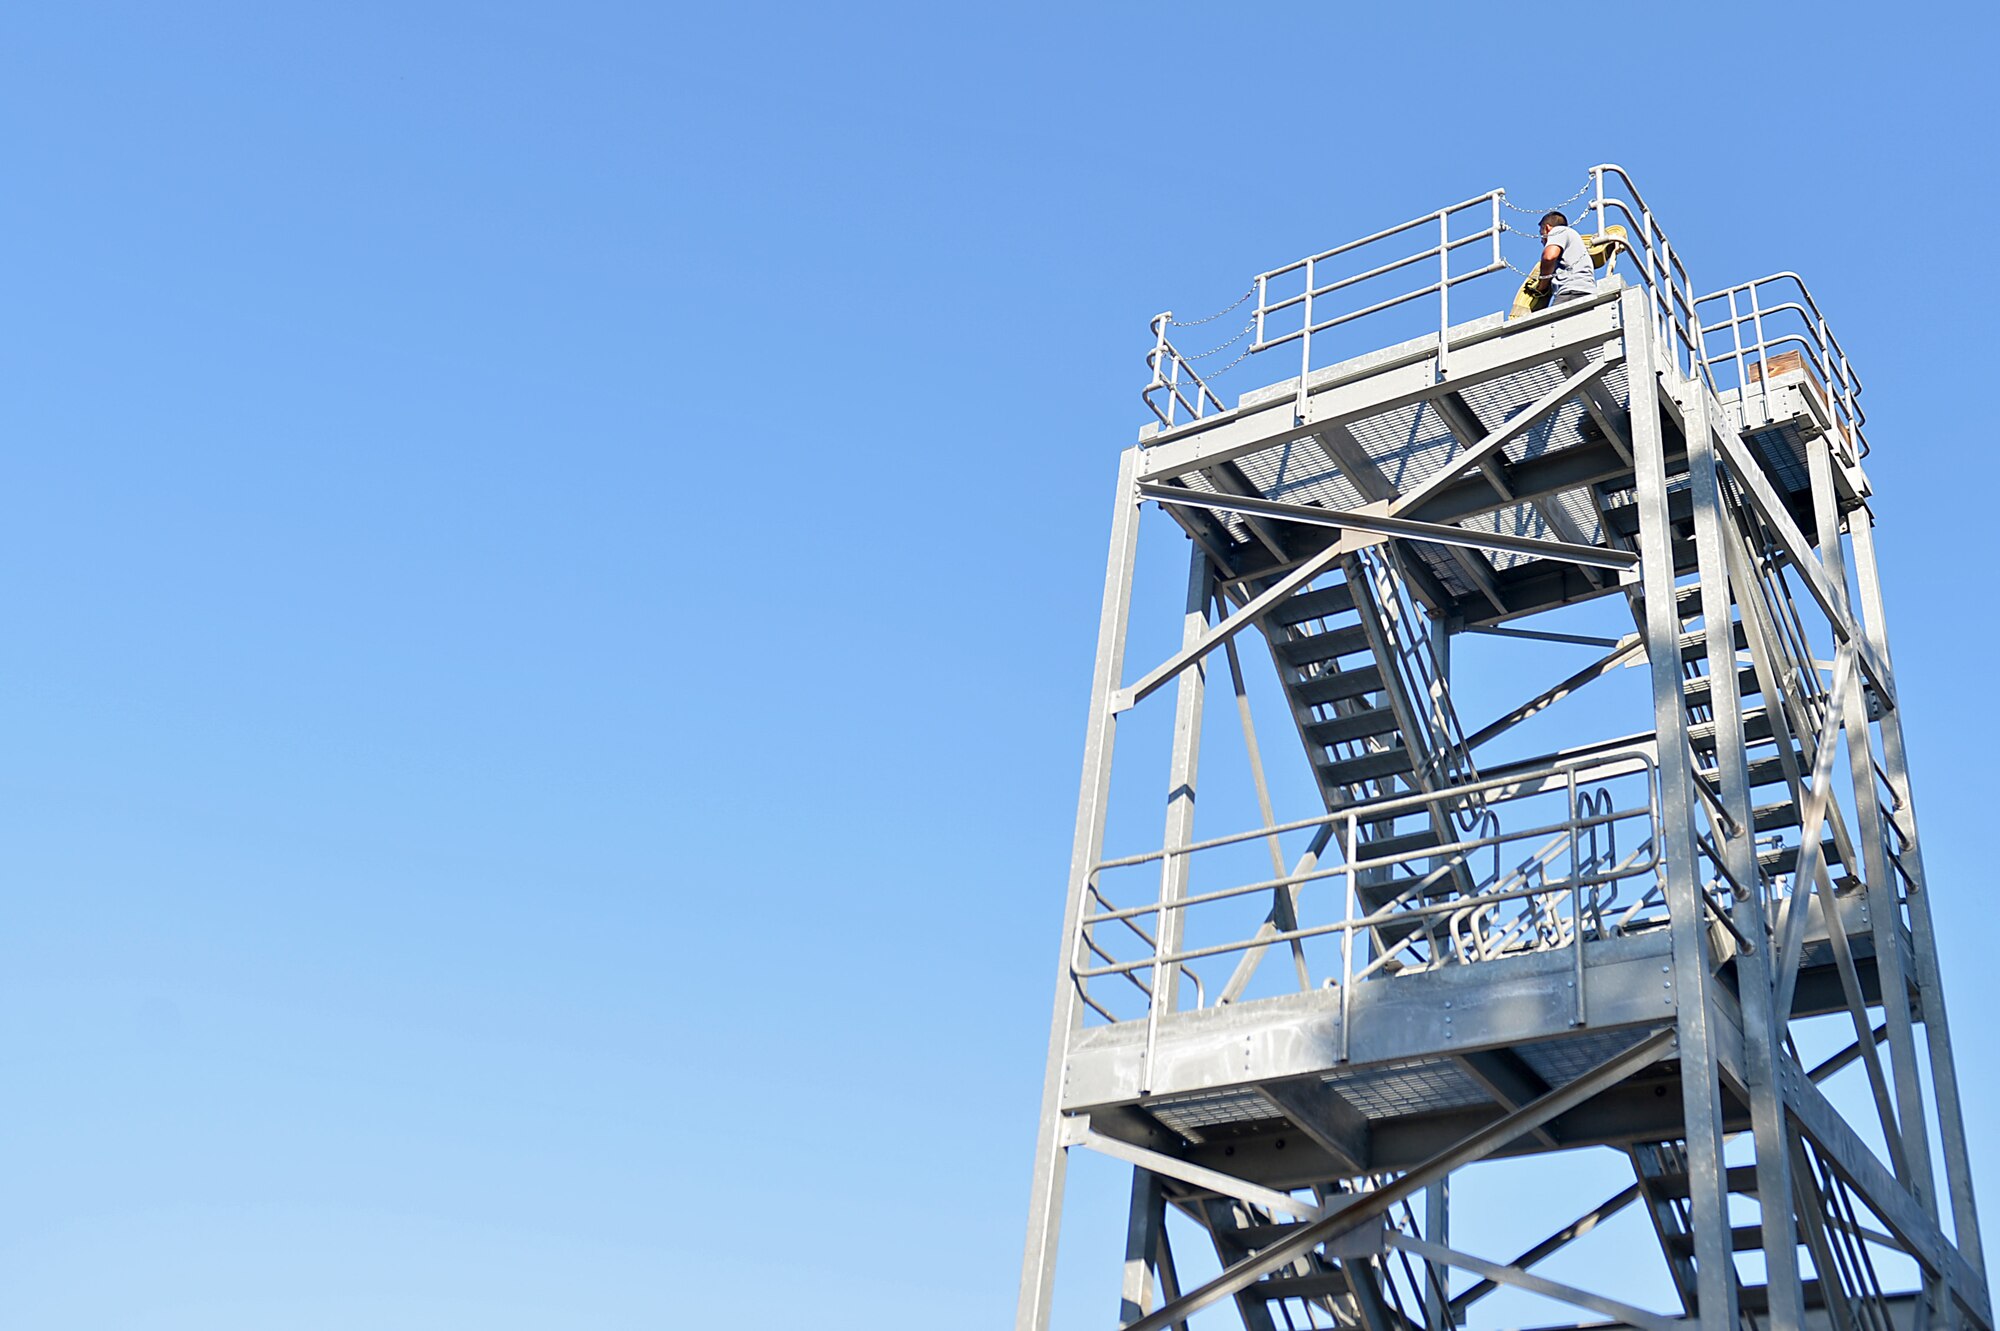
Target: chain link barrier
1536, 213
1209, 319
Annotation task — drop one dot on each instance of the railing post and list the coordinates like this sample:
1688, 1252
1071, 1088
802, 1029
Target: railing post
1347, 946
1444, 292
1305, 343
1575, 906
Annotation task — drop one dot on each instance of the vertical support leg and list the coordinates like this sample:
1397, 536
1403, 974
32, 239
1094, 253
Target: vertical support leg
1190, 694
1038, 1265
1145, 1231
1923, 938
1884, 912
1763, 1030
1437, 1228
1700, 1091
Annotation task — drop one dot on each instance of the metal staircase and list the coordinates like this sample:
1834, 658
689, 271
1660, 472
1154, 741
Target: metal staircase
1373, 708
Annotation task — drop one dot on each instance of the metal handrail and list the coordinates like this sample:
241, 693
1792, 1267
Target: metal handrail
1447, 760
1317, 306
1592, 863
1311, 322
1823, 356
1167, 365
1661, 271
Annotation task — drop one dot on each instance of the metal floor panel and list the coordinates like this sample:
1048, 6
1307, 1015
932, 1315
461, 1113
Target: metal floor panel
1417, 1086
1410, 444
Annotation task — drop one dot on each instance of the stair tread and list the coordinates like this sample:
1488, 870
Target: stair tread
1756, 726
1316, 604
1777, 814
1312, 648
1337, 684
1757, 1298
1399, 843
1357, 725
1785, 859
1742, 1238
1395, 761
1699, 690
1301, 1287
1765, 771
1674, 1182
1694, 644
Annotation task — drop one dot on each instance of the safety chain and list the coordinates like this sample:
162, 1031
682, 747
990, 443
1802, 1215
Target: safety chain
1511, 229
1223, 346
1194, 323
1241, 356
1536, 212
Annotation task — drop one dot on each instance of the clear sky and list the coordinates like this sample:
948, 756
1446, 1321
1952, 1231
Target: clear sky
551, 558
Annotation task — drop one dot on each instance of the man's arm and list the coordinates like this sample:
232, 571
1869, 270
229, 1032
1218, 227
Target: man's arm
1550, 254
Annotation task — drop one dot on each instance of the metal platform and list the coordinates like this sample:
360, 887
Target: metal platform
1297, 1031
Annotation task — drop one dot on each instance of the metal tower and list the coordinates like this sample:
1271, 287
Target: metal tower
1699, 952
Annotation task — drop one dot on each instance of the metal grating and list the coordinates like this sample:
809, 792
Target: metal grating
1300, 472
1783, 453
1408, 444
1189, 1114
1416, 1086
1559, 1062
1412, 443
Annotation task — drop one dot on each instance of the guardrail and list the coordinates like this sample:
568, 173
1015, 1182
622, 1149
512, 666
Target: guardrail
1660, 269
1437, 732
1581, 860
1743, 329
1310, 300
1303, 301
1171, 373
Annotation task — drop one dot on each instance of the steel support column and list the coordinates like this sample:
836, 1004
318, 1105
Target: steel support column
1038, 1264
1763, 1031
1700, 1091
1923, 937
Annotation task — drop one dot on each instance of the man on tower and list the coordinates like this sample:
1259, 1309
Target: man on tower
1565, 262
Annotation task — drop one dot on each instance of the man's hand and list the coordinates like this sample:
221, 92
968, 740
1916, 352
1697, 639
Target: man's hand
1538, 284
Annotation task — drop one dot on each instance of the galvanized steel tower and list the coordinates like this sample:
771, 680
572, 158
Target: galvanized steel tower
1297, 1027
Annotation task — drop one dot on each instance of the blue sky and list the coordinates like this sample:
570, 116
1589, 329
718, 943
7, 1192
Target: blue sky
551, 562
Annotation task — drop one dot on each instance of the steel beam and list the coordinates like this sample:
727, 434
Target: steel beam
1361, 1207
1930, 987
1038, 1263
1260, 422
1496, 439
1757, 489
1382, 524
1878, 1188
1762, 1026
1692, 971
1534, 1284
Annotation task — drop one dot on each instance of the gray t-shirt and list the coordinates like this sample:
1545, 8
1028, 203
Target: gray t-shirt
1574, 274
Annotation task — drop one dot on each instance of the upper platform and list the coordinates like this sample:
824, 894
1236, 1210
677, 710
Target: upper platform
1512, 428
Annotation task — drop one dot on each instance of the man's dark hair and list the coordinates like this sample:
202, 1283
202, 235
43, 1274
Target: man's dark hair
1554, 218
